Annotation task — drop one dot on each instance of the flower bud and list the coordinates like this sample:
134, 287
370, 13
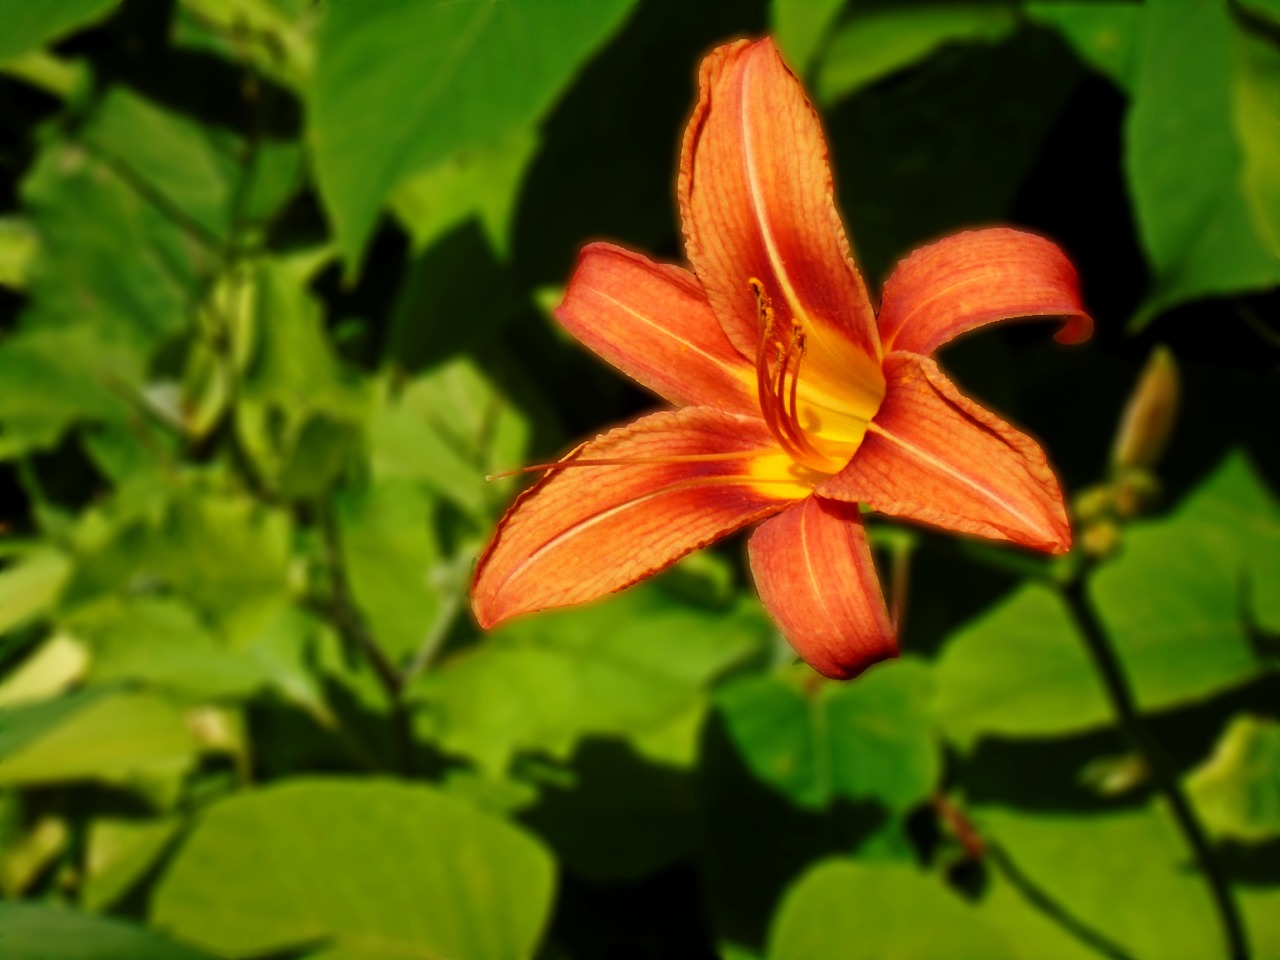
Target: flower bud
1148, 417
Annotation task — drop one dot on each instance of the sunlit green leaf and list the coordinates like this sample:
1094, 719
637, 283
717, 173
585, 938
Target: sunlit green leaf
1257, 124
392, 562
448, 430
119, 855
404, 84
850, 910
1174, 600
1112, 873
30, 585
1021, 670
51, 668
1184, 164
1237, 790
481, 182
17, 247
36, 931
112, 738
630, 665
868, 740
30, 25
299, 865
877, 42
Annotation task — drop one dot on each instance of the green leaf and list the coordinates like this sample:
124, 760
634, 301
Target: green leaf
628, 666
291, 865
1173, 601
17, 247
298, 410
36, 931
404, 84
170, 156
1237, 790
31, 25
448, 430
30, 587
1021, 670
850, 910
1257, 124
482, 182
51, 668
868, 740
226, 555
1104, 35
160, 641
114, 738
120, 854
801, 28
1112, 873
1184, 165
875, 43
391, 558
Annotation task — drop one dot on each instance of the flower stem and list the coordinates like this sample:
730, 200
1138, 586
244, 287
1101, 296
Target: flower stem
1131, 723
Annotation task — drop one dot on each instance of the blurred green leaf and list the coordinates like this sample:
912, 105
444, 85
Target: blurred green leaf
17, 247
1113, 873
1105, 35
160, 641
120, 853
30, 25
36, 931
801, 28
1257, 124
851, 910
113, 738
874, 43
870, 740
290, 865
1174, 601
31, 585
226, 555
1184, 164
404, 84
51, 668
482, 182
274, 35
171, 159
1237, 790
1020, 669
392, 560
298, 410
447, 430
629, 665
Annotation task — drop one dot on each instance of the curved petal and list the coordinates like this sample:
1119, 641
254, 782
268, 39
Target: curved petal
652, 321
814, 572
935, 456
690, 476
756, 200
978, 277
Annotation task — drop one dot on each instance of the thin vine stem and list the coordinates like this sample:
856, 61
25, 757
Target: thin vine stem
1120, 693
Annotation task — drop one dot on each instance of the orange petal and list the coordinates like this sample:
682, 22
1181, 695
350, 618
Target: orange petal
652, 321
757, 202
816, 577
935, 456
975, 278
585, 531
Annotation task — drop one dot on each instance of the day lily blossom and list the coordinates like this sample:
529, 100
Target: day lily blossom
795, 402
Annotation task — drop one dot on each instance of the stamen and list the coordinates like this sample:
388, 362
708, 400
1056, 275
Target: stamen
628, 461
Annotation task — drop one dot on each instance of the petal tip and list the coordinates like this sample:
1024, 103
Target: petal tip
851, 662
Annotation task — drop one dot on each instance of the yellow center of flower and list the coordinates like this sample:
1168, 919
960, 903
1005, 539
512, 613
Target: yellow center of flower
821, 420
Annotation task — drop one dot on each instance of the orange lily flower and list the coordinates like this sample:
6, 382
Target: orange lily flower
794, 399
